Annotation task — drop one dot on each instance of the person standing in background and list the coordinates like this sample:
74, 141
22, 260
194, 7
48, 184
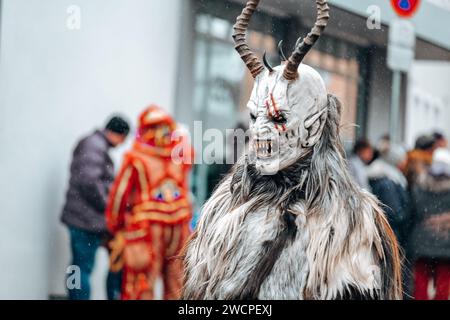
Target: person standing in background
441, 141
149, 209
429, 243
363, 154
390, 186
419, 159
91, 176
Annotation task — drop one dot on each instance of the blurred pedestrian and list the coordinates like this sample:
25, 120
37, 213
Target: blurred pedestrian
363, 154
440, 140
390, 186
430, 239
91, 175
419, 159
149, 208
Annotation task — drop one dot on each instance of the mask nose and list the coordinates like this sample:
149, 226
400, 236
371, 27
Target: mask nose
262, 127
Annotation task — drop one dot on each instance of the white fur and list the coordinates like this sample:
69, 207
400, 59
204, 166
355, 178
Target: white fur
229, 246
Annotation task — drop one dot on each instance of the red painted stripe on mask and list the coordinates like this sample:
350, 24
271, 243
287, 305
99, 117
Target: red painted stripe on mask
277, 112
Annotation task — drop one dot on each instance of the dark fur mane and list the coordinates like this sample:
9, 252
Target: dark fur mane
248, 184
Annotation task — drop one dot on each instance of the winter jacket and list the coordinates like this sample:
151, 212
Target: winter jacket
430, 198
92, 174
389, 186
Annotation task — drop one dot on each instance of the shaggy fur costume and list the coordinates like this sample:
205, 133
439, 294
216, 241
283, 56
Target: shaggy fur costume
308, 232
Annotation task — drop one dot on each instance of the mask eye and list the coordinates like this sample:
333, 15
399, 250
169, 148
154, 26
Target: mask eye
253, 117
279, 119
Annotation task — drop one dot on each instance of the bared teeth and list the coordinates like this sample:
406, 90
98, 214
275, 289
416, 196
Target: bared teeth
264, 147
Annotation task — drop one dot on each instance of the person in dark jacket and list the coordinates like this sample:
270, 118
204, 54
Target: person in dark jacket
91, 175
429, 243
441, 141
390, 186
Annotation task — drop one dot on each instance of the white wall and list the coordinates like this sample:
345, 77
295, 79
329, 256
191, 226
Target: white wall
428, 99
55, 86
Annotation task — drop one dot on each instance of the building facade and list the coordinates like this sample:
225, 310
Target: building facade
65, 67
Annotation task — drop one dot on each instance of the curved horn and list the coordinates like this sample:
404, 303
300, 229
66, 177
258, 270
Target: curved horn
302, 49
281, 52
240, 28
267, 63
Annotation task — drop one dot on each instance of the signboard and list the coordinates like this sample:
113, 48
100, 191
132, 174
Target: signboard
442, 4
405, 8
402, 45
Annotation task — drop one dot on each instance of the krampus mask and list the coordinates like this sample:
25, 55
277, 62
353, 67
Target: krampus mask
288, 105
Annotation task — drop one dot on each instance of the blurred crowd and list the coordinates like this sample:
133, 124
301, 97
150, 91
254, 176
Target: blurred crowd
414, 188
143, 212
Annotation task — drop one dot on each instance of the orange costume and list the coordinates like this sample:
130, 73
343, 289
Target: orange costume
149, 209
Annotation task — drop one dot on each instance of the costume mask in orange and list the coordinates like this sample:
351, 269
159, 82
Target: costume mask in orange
156, 127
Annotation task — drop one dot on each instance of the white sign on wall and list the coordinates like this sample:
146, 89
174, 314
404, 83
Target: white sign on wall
402, 45
443, 4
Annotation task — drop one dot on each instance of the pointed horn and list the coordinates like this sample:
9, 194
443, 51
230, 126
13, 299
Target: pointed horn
281, 52
240, 28
267, 63
302, 48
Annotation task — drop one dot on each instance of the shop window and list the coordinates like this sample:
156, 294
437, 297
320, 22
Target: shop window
222, 84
